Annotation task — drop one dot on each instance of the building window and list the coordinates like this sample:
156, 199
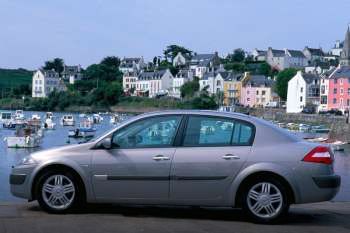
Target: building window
341, 101
301, 99
263, 92
335, 81
324, 99
341, 81
348, 102
257, 92
334, 101
301, 90
341, 91
335, 91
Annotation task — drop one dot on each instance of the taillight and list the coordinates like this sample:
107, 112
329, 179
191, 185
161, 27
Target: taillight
320, 154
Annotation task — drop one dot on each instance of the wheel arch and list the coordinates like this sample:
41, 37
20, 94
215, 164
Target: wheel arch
291, 195
58, 166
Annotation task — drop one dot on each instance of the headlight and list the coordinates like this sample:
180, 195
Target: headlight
28, 160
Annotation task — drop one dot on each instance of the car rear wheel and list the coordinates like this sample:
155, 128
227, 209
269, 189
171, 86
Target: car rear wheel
265, 200
58, 192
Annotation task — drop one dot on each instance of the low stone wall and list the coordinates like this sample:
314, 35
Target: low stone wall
340, 130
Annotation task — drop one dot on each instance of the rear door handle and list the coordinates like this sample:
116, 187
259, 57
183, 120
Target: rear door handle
230, 156
160, 157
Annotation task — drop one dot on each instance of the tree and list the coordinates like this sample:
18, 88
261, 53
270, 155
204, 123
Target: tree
172, 50
189, 89
204, 101
103, 72
265, 69
237, 56
56, 64
236, 66
283, 78
111, 61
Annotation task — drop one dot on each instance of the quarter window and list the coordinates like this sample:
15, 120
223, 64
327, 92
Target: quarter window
151, 132
216, 131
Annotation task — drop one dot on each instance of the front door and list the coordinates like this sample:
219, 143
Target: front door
138, 165
213, 151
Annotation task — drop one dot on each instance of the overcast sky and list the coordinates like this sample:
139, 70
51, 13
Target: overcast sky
84, 31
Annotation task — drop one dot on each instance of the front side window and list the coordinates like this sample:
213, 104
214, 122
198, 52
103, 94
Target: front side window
216, 131
147, 133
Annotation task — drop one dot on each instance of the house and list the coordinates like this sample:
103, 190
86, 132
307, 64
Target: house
202, 63
154, 83
46, 81
132, 65
72, 73
213, 82
232, 88
259, 55
324, 89
287, 58
179, 80
313, 55
256, 90
303, 89
339, 80
337, 48
129, 82
180, 60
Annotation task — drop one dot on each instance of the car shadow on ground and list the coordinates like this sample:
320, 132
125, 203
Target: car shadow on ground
295, 216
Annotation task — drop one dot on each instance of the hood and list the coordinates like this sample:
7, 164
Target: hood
63, 151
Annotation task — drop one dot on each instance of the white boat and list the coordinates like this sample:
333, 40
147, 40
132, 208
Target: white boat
85, 130
49, 124
26, 136
115, 119
97, 119
49, 115
338, 145
7, 119
67, 120
36, 117
19, 115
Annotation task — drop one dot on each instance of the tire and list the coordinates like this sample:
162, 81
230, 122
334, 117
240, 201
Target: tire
59, 192
265, 200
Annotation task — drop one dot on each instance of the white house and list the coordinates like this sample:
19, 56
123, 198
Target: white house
259, 55
72, 73
129, 82
213, 81
179, 60
180, 79
303, 89
46, 81
131, 65
203, 63
154, 83
337, 48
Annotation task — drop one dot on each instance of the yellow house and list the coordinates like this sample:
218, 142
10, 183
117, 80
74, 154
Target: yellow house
232, 88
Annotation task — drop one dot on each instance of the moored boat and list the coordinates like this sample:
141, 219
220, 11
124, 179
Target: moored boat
26, 136
67, 120
85, 130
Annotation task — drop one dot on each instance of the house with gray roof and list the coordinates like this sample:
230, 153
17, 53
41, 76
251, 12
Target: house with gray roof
72, 73
287, 58
203, 63
313, 55
259, 55
182, 77
46, 81
154, 83
132, 64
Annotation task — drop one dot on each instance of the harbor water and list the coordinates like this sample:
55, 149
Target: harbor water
59, 137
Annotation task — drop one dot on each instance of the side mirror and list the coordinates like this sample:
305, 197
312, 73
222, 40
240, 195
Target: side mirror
106, 143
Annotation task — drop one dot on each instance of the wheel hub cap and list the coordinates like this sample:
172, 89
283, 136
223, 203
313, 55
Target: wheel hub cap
265, 200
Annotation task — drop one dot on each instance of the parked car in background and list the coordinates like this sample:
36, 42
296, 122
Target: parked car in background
190, 158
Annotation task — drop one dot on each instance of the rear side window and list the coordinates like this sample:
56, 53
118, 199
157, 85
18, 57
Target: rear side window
217, 131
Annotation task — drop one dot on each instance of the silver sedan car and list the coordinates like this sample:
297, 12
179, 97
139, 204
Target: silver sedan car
191, 158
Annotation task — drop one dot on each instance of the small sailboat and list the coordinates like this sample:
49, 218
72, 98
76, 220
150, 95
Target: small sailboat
67, 120
85, 130
97, 118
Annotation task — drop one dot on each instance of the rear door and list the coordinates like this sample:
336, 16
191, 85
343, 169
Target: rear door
212, 152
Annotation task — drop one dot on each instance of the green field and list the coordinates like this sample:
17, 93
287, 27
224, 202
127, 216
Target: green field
10, 78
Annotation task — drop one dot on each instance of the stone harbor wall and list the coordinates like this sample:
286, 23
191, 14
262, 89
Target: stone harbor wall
340, 130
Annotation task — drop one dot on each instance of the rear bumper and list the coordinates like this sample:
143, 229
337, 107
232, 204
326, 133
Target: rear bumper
325, 182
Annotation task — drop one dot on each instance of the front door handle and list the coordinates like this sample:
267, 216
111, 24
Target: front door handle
160, 158
230, 156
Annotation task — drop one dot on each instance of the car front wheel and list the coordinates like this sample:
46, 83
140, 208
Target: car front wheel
58, 192
265, 200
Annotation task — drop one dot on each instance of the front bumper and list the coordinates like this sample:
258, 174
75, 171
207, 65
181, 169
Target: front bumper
20, 181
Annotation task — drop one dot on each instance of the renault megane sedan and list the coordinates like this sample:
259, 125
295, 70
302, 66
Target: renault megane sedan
190, 158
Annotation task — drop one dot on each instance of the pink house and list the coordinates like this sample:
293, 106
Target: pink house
339, 89
256, 91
